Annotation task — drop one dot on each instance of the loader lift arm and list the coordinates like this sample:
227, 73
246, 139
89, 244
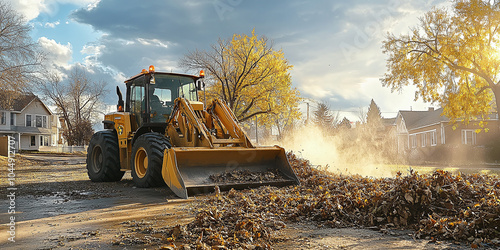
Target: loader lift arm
210, 142
192, 126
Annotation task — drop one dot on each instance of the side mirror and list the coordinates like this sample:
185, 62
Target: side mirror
199, 84
119, 107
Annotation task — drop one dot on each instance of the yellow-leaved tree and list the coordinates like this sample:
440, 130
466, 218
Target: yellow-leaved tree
452, 57
251, 77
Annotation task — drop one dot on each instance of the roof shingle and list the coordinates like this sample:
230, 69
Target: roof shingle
418, 119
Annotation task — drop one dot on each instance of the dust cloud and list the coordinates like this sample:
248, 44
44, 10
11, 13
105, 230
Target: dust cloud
349, 151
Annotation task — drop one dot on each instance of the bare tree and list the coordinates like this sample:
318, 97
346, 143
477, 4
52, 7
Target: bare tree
77, 100
20, 57
362, 114
286, 122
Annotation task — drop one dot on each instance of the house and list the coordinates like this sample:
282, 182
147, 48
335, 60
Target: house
428, 136
31, 123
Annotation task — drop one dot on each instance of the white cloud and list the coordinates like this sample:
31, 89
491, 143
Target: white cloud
58, 55
152, 42
93, 52
315, 90
92, 4
51, 25
119, 77
391, 102
30, 9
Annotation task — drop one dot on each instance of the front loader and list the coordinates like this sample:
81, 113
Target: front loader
164, 135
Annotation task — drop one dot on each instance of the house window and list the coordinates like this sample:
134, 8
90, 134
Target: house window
12, 119
33, 143
44, 121
38, 121
443, 137
28, 121
433, 138
468, 137
424, 139
413, 141
44, 140
3, 118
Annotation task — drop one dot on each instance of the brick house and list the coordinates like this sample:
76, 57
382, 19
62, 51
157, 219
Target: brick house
31, 123
427, 136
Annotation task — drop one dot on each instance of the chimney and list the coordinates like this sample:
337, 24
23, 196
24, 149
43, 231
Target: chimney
431, 108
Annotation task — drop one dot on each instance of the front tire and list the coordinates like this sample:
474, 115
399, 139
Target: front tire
103, 158
147, 160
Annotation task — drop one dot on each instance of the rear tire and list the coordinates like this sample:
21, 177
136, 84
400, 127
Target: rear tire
103, 158
147, 160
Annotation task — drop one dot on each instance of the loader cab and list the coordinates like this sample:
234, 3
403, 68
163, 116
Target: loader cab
150, 95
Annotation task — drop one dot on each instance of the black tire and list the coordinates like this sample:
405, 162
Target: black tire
103, 158
147, 160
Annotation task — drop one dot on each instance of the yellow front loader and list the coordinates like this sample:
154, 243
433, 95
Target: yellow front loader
164, 135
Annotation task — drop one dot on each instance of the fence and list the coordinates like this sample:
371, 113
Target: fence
63, 149
71, 149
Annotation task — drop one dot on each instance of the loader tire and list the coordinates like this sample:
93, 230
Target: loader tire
147, 160
103, 158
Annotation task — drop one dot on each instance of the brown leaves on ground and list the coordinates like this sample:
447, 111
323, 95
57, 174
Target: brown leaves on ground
243, 176
462, 208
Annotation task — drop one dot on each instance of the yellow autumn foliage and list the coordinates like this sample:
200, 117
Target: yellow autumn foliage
250, 76
453, 59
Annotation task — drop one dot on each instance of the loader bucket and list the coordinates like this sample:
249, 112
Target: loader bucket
189, 171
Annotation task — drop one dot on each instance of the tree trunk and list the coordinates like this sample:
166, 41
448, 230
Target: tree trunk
496, 93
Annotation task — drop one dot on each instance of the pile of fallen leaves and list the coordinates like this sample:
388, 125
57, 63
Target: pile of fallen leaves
242, 176
438, 206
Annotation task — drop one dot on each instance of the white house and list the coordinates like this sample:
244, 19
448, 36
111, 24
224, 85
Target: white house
31, 123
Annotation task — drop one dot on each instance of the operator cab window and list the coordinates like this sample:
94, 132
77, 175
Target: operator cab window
165, 95
161, 104
188, 91
180, 86
166, 89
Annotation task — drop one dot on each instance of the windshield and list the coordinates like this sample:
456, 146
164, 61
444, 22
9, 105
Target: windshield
170, 87
165, 90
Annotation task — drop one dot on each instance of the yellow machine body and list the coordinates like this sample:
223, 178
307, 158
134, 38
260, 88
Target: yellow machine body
203, 142
122, 123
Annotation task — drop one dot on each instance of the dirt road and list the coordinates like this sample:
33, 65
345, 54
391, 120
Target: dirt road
56, 206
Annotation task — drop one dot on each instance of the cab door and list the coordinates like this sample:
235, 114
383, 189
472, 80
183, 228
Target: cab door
137, 103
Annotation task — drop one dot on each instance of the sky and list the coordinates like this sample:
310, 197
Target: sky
333, 45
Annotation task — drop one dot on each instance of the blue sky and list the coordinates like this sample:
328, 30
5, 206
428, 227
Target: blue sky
335, 46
